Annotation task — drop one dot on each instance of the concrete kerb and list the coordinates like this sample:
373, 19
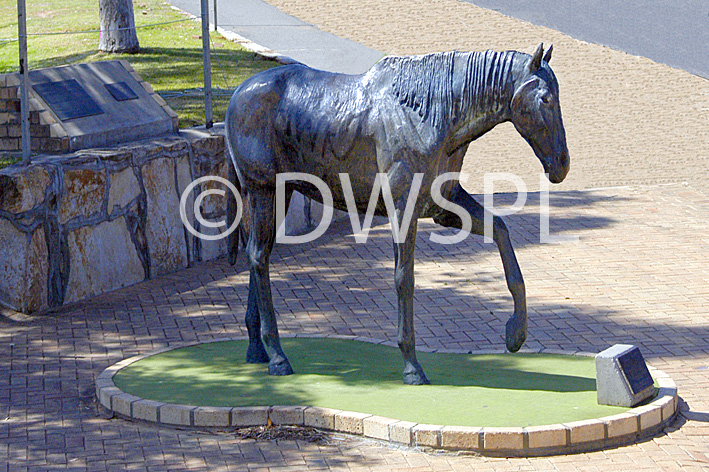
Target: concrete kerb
580, 436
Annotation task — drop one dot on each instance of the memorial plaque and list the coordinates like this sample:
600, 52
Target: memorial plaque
622, 377
97, 104
635, 370
68, 99
121, 91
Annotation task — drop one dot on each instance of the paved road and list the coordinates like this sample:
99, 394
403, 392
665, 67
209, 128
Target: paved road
673, 32
287, 35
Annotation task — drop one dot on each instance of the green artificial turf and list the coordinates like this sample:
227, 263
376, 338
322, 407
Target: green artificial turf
466, 390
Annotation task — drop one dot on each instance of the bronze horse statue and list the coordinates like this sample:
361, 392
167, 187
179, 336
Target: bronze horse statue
405, 117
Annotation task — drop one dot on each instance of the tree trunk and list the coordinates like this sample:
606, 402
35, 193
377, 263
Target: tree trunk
117, 27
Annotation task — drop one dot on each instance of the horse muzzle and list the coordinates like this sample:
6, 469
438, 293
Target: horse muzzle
558, 171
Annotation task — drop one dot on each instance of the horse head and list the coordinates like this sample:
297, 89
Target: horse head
536, 114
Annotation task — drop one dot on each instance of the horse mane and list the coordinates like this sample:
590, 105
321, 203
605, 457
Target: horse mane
425, 84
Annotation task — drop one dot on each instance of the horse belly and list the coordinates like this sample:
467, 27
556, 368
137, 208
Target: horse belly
324, 144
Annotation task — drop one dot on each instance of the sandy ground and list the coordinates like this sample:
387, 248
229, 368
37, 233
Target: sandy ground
628, 119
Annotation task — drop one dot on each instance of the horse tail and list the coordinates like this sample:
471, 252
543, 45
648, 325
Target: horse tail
238, 236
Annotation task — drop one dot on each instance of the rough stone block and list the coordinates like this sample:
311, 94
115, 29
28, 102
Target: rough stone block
547, 436
84, 193
102, 258
124, 188
350, 422
496, 439
377, 427
24, 268
175, 414
620, 425
402, 432
211, 416
146, 410
318, 417
164, 228
460, 437
287, 415
427, 435
22, 189
249, 416
586, 431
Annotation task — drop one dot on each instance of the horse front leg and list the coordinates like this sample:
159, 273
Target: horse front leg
404, 280
259, 247
516, 328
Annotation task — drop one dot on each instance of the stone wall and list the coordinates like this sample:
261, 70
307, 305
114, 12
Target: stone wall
80, 224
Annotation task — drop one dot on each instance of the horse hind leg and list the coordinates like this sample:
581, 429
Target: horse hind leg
256, 352
259, 247
516, 327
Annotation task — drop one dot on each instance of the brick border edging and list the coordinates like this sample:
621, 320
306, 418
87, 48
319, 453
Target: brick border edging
579, 436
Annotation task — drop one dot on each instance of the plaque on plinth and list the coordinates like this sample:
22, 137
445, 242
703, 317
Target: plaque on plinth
94, 105
622, 377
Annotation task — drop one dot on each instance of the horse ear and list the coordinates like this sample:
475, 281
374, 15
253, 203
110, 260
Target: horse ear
547, 56
536, 61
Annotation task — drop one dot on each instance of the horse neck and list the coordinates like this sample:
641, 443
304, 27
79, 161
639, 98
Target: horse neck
484, 85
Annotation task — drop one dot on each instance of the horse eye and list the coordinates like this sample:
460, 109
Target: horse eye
547, 99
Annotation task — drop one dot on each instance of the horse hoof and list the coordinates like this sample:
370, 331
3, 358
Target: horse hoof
515, 335
256, 354
280, 368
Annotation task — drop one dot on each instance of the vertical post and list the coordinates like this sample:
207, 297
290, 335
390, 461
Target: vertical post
207, 66
24, 70
215, 15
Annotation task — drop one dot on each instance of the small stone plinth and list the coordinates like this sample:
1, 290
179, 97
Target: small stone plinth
622, 377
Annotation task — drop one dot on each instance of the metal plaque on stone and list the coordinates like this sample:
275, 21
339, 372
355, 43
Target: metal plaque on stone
636, 374
98, 104
622, 377
68, 99
121, 91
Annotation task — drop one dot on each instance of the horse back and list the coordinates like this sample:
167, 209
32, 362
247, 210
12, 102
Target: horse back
297, 119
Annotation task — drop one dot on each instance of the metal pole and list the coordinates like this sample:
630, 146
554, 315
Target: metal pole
24, 70
207, 66
215, 15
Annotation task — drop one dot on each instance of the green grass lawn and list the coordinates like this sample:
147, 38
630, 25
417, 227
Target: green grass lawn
467, 390
170, 58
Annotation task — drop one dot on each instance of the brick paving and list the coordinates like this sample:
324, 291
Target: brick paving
638, 274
